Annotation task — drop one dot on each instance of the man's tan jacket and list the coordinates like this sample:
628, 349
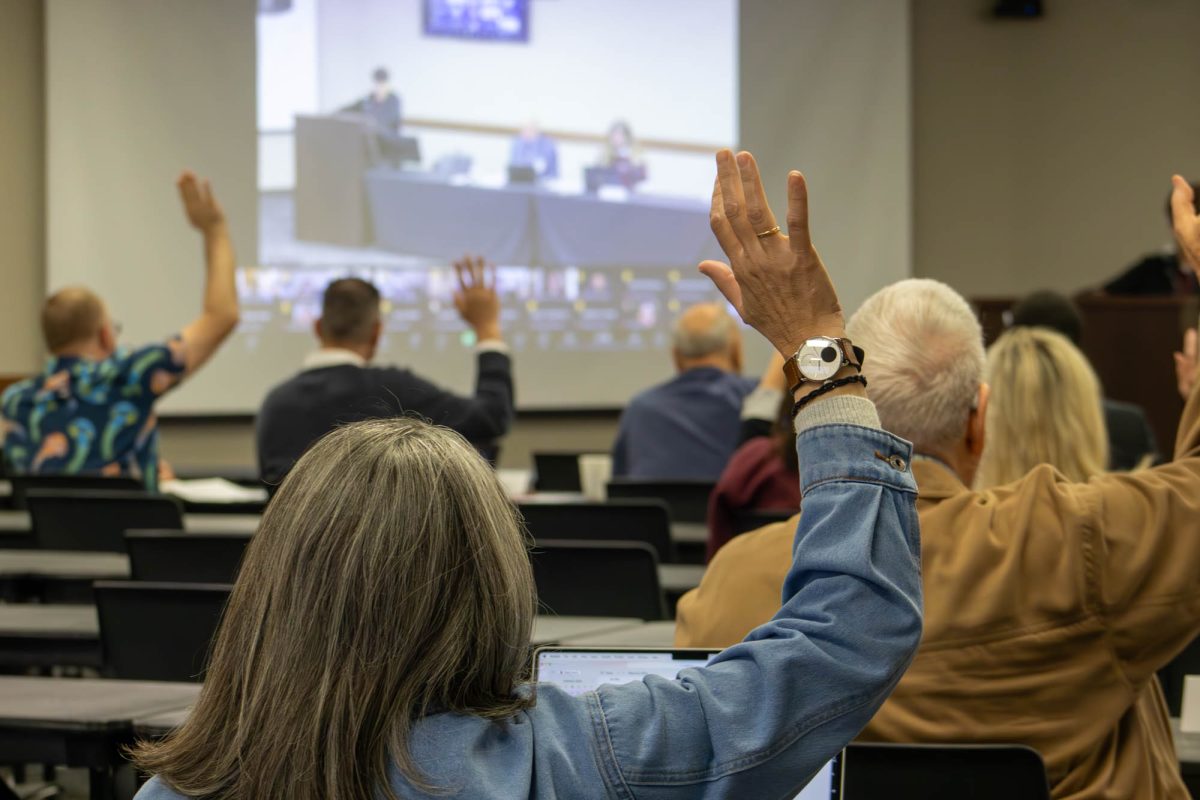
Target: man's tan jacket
1049, 606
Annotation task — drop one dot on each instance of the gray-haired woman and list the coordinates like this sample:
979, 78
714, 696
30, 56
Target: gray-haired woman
376, 642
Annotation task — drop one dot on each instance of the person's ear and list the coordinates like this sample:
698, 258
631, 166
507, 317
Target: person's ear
376, 335
736, 354
977, 422
318, 331
108, 338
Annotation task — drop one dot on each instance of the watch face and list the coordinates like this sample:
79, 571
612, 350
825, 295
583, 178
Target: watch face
819, 359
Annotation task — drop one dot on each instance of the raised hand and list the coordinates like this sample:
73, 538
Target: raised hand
1185, 219
1186, 365
476, 300
777, 283
201, 207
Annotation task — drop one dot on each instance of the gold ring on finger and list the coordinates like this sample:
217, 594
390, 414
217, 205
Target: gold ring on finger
765, 234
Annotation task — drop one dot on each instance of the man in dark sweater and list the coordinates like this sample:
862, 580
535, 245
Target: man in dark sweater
337, 385
1164, 273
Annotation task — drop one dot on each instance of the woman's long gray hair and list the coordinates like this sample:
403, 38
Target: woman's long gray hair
389, 579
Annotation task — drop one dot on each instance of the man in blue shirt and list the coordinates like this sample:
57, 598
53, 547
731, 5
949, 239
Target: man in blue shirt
91, 410
535, 150
687, 428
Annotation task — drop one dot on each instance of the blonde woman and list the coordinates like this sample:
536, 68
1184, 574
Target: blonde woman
376, 642
1045, 407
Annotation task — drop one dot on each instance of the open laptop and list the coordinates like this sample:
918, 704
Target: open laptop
577, 670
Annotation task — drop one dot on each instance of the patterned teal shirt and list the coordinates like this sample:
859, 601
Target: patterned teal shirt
82, 417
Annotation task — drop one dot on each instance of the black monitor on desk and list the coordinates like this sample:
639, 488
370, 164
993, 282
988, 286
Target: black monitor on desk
628, 175
394, 149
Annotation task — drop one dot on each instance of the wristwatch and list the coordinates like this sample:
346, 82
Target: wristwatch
819, 359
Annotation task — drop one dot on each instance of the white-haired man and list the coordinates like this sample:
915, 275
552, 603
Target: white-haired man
687, 427
1049, 605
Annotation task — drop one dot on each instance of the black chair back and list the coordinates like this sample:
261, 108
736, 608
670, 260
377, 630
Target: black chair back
22, 484
688, 500
71, 520
944, 772
745, 521
557, 472
598, 579
180, 557
158, 631
646, 521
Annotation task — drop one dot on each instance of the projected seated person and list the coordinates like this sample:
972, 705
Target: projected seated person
534, 150
1164, 273
688, 427
337, 383
91, 410
621, 162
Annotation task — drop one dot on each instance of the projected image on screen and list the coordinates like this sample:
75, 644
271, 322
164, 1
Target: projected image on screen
578, 160
478, 19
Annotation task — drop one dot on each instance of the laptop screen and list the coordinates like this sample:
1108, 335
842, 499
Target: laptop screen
577, 670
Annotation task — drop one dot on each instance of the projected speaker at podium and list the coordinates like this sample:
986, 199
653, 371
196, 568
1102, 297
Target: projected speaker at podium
384, 108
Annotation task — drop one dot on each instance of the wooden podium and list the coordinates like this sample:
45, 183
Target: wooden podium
333, 153
1130, 342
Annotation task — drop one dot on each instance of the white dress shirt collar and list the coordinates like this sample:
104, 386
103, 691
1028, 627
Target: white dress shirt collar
332, 357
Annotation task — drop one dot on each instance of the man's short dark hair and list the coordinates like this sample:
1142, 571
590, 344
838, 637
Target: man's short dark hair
349, 311
380, 75
1052, 310
1195, 202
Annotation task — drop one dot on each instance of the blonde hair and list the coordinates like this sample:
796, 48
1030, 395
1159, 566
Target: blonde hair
1045, 408
924, 362
70, 316
389, 579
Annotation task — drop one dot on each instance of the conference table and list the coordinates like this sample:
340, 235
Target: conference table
53, 635
15, 526
36, 635
419, 214
78, 722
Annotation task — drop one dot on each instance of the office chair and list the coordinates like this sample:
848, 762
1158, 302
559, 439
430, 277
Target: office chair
158, 631
688, 500
598, 579
944, 772
646, 521
79, 520
181, 557
22, 484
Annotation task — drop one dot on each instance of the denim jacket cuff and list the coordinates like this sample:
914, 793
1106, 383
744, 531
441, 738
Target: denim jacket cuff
846, 452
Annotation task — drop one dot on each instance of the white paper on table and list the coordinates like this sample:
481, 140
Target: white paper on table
1189, 721
214, 490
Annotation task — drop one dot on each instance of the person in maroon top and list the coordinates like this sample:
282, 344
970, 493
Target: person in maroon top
762, 475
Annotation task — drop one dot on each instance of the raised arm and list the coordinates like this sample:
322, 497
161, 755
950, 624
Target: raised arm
486, 414
764, 716
203, 335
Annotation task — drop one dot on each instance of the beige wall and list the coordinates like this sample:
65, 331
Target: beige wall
1041, 157
22, 172
1044, 150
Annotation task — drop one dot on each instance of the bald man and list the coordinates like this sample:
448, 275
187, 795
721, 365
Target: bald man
91, 411
686, 428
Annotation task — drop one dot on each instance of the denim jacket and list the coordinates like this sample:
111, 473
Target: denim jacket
764, 715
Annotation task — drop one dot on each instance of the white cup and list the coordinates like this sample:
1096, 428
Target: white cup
595, 470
